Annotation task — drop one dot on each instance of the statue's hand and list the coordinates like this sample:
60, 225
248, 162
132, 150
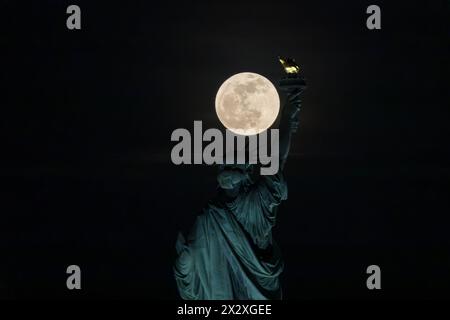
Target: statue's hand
294, 87
292, 113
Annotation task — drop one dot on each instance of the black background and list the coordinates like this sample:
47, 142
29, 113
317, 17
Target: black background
86, 118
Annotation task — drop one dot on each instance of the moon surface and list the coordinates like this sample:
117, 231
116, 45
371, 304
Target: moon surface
247, 103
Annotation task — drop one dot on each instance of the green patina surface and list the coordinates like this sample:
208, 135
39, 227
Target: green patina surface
229, 252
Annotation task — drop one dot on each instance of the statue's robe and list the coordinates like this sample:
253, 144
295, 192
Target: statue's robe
229, 253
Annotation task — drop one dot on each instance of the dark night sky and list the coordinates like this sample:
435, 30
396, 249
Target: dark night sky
87, 115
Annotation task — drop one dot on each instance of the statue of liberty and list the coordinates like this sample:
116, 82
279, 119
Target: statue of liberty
229, 253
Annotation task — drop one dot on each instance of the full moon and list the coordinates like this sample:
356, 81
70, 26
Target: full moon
247, 103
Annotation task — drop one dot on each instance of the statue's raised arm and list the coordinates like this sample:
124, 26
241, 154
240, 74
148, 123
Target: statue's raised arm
293, 85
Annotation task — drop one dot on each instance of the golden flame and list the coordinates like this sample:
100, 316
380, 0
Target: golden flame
289, 65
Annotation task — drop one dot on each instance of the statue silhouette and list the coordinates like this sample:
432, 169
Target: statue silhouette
229, 253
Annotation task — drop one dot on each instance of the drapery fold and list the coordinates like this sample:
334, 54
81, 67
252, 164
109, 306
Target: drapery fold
229, 253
